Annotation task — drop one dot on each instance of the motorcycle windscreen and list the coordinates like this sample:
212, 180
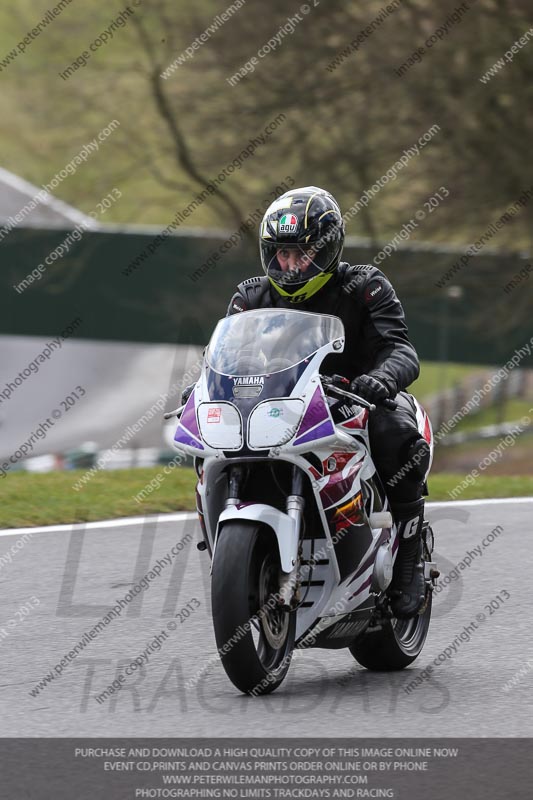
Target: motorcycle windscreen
266, 341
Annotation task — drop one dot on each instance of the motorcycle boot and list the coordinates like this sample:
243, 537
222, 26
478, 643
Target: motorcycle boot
407, 589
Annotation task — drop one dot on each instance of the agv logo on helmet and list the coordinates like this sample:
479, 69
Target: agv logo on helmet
288, 223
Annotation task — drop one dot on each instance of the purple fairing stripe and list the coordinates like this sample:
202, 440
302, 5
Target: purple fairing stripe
316, 412
187, 431
326, 429
188, 417
184, 436
363, 586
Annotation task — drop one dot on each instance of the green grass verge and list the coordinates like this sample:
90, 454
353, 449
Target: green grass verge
48, 499
486, 486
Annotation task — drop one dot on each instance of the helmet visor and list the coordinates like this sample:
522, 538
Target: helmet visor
291, 266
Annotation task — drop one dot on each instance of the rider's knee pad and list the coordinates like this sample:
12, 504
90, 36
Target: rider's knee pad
417, 459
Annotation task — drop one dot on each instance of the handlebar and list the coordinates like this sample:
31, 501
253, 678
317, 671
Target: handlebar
330, 385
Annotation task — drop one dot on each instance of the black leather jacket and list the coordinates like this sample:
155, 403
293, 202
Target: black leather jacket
377, 341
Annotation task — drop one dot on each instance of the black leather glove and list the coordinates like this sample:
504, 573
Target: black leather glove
373, 388
186, 393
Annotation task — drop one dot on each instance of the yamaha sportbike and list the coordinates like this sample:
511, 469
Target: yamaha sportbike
292, 511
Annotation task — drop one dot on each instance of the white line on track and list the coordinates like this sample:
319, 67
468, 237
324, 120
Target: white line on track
107, 523
488, 501
183, 515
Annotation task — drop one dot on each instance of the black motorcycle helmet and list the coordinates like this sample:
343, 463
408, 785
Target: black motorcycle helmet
301, 240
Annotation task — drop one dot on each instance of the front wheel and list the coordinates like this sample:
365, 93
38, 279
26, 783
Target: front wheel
254, 636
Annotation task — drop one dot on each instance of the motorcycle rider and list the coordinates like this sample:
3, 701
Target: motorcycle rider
301, 241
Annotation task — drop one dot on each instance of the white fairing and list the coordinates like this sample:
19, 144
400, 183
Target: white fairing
281, 524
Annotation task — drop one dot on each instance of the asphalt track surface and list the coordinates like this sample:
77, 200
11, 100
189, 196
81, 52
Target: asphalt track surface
77, 574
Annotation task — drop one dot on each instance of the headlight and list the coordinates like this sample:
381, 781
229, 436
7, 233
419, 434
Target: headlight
274, 422
220, 425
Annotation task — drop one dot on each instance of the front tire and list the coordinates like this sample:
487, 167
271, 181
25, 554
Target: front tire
255, 648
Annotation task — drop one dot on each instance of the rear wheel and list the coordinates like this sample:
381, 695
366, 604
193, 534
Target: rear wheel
396, 645
255, 637
399, 641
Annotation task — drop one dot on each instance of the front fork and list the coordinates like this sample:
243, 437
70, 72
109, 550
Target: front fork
288, 581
